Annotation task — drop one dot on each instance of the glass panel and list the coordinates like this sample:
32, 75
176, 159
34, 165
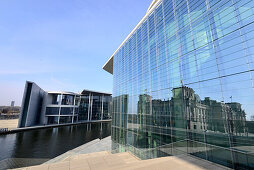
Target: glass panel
65, 119
183, 82
56, 99
67, 100
52, 111
66, 111
77, 100
52, 120
83, 108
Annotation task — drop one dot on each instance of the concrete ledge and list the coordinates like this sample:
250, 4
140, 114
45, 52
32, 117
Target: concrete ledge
51, 126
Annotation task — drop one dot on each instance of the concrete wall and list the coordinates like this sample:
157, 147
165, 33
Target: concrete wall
32, 105
43, 118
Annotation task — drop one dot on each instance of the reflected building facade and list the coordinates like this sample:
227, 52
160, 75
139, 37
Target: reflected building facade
183, 82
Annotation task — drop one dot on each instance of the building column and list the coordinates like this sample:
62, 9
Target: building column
102, 107
89, 101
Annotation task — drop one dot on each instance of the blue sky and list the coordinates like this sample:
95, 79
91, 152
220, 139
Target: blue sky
61, 44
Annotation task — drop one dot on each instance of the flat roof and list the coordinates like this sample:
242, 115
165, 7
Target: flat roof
62, 92
85, 91
108, 66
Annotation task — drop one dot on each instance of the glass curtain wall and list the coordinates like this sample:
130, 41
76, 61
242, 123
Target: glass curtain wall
184, 79
83, 108
63, 108
95, 106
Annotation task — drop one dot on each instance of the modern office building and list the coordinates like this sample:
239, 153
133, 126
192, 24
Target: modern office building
47, 108
183, 82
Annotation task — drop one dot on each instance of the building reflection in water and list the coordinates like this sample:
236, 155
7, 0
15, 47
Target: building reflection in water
43, 144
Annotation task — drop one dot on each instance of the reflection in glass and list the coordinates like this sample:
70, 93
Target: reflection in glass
77, 100
183, 83
52, 120
56, 99
65, 119
95, 106
67, 100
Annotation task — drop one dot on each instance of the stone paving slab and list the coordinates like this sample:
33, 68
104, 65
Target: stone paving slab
96, 145
202, 163
107, 161
118, 161
87, 157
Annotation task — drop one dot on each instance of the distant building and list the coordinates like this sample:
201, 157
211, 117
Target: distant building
12, 103
46, 108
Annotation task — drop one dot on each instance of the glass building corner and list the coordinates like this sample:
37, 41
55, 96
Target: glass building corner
183, 83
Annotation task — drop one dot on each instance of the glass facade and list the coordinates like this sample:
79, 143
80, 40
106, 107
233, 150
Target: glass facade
52, 111
87, 106
65, 119
95, 106
56, 99
59, 107
62, 108
53, 120
67, 111
67, 100
183, 83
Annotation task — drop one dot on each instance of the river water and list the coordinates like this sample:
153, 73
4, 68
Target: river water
48, 143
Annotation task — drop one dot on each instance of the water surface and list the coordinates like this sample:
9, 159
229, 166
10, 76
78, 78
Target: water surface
51, 142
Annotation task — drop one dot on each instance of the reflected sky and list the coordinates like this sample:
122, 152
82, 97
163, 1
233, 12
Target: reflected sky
186, 73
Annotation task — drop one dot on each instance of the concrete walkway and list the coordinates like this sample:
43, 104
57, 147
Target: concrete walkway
96, 155
124, 161
96, 145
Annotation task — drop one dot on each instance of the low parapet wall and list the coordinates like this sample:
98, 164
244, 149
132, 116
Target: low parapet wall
51, 126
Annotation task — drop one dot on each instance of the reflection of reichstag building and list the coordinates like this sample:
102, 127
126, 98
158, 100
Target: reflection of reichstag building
186, 110
183, 124
184, 80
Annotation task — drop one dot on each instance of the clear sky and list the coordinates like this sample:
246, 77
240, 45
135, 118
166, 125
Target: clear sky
61, 44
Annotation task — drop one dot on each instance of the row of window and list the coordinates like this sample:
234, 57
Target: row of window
59, 99
61, 119
62, 110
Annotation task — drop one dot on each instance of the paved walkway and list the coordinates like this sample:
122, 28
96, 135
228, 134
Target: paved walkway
96, 145
120, 161
10, 124
96, 155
